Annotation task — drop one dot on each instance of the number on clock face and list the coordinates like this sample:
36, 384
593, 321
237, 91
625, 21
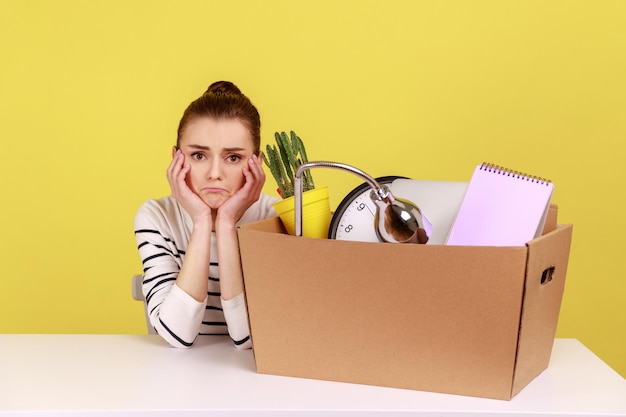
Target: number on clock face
357, 222
354, 217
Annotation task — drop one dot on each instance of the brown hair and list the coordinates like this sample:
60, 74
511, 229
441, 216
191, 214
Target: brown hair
224, 100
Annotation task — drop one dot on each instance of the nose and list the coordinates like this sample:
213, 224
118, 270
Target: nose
214, 170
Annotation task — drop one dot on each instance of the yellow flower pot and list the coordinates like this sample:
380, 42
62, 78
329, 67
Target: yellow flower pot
316, 214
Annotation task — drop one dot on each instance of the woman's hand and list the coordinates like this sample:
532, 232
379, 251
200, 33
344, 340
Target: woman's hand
233, 208
176, 176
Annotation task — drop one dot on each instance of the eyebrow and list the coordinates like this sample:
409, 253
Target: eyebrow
206, 148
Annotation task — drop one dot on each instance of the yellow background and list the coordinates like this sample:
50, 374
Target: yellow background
91, 94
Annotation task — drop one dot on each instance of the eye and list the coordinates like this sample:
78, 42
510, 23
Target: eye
234, 158
197, 156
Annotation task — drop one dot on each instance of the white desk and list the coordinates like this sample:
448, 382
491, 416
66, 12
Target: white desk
133, 375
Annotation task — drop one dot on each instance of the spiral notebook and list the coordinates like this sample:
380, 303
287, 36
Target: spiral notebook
501, 207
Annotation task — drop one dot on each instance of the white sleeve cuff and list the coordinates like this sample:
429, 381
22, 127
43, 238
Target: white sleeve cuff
236, 315
182, 315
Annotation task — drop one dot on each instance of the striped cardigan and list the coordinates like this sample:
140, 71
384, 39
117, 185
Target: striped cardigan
162, 231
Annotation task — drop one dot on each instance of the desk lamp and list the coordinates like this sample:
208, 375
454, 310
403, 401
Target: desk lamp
396, 220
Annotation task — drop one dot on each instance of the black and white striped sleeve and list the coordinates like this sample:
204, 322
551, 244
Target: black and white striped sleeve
174, 314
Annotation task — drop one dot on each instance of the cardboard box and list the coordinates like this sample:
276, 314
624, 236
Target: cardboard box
475, 321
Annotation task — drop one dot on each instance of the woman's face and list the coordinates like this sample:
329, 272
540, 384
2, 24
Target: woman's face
216, 151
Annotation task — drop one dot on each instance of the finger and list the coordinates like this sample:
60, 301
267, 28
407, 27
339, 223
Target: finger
177, 175
253, 184
256, 171
248, 193
247, 181
175, 164
181, 169
256, 167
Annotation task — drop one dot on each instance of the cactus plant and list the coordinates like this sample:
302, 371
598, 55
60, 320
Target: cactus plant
283, 159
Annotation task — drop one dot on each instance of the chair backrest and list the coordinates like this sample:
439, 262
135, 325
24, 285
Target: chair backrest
137, 292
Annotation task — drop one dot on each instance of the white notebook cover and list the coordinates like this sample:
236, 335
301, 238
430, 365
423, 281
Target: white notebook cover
501, 208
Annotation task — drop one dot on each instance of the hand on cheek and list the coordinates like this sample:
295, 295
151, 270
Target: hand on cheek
177, 176
247, 195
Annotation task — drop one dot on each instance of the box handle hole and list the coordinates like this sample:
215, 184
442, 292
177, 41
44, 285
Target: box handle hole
546, 275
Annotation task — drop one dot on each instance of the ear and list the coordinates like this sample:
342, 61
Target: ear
174, 149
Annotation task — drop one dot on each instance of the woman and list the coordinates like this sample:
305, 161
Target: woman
193, 281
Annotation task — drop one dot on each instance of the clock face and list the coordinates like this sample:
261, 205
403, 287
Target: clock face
354, 217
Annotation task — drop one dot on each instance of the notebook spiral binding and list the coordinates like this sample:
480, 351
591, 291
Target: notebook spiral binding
485, 166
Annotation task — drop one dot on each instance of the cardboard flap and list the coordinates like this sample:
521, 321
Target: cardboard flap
551, 219
545, 280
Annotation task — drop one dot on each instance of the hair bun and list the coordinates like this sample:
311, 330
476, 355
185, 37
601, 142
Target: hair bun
223, 87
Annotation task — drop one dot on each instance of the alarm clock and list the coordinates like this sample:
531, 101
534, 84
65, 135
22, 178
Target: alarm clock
354, 217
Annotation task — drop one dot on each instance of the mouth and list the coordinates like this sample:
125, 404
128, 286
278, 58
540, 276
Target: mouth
213, 190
